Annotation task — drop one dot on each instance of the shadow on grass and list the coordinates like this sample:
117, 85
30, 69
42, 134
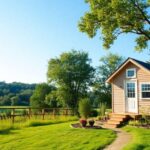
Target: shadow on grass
6, 131
137, 147
41, 123
9, 130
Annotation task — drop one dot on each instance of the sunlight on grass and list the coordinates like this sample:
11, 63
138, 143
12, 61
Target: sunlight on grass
56, 137
140, 138
21, 122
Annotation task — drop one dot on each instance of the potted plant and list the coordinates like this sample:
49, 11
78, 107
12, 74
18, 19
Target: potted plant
83, 122
84, 110
91, 122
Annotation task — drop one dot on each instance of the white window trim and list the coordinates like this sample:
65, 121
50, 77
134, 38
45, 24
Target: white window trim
141, 91
131, 69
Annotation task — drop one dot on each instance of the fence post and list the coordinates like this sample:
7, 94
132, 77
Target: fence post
66, 112
63, 112
13, 115
43, 113
74, 112
29, 113
53, 112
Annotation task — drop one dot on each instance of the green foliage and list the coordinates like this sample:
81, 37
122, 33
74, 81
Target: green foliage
93, 113
117, 17
134, 123
101, 90
38, 99
15, 93
72, 74
84, 108
102, 109
51, 99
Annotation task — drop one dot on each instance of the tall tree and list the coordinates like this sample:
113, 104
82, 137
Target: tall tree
109, 64
38, 99
115, 17
72, 74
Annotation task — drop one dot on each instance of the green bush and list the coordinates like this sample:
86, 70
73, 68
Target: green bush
84, 108
102, 109
134, 123
93, 113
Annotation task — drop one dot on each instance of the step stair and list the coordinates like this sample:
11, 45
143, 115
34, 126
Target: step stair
116, 120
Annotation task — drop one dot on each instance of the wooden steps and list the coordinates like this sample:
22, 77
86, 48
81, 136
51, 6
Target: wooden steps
116, 120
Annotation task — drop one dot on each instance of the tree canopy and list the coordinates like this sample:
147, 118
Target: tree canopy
72, 74
109, 64
115, 17
15, 93
38, 99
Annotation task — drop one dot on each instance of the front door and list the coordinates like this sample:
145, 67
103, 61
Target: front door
131, 96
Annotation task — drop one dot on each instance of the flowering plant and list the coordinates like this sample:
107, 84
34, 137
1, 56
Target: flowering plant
83, 122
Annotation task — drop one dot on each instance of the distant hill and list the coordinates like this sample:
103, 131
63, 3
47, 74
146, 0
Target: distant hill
15, 93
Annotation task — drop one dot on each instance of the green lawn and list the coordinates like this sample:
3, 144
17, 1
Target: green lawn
56, 137
140, 138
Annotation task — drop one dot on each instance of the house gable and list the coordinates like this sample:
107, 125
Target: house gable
126, 64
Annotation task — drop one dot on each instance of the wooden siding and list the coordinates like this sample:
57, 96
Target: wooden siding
143, 76
119, 91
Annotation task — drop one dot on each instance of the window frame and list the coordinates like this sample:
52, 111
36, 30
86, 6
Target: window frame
131, 69
148, 98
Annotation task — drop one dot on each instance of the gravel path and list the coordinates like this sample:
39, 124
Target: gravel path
122, 139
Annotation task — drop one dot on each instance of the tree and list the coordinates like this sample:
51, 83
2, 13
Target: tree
115, 17
14, 100
39, 96
51, 99
72, 74
109, 64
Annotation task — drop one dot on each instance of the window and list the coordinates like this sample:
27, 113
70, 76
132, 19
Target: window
131, 73
130, 90
145, 90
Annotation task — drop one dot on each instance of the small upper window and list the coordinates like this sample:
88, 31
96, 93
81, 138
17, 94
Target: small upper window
131, 73
145, 90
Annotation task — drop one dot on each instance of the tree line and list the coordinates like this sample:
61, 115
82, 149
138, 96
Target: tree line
16, 93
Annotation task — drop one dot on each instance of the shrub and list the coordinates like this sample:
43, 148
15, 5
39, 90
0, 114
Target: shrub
102, 109
84, 108
93, 113
134, 123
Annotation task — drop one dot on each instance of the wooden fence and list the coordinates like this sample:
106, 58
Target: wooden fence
12, 113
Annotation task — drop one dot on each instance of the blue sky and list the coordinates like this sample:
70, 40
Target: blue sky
34, 31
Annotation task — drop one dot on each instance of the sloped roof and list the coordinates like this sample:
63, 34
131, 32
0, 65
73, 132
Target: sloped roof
144, 64
138, 63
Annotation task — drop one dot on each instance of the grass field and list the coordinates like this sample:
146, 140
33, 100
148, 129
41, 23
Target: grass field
140, 138
22, 122
55, 137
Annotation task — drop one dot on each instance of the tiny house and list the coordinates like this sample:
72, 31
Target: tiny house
131, 88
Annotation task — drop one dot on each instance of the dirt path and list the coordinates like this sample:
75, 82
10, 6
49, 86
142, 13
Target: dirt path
122, 139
